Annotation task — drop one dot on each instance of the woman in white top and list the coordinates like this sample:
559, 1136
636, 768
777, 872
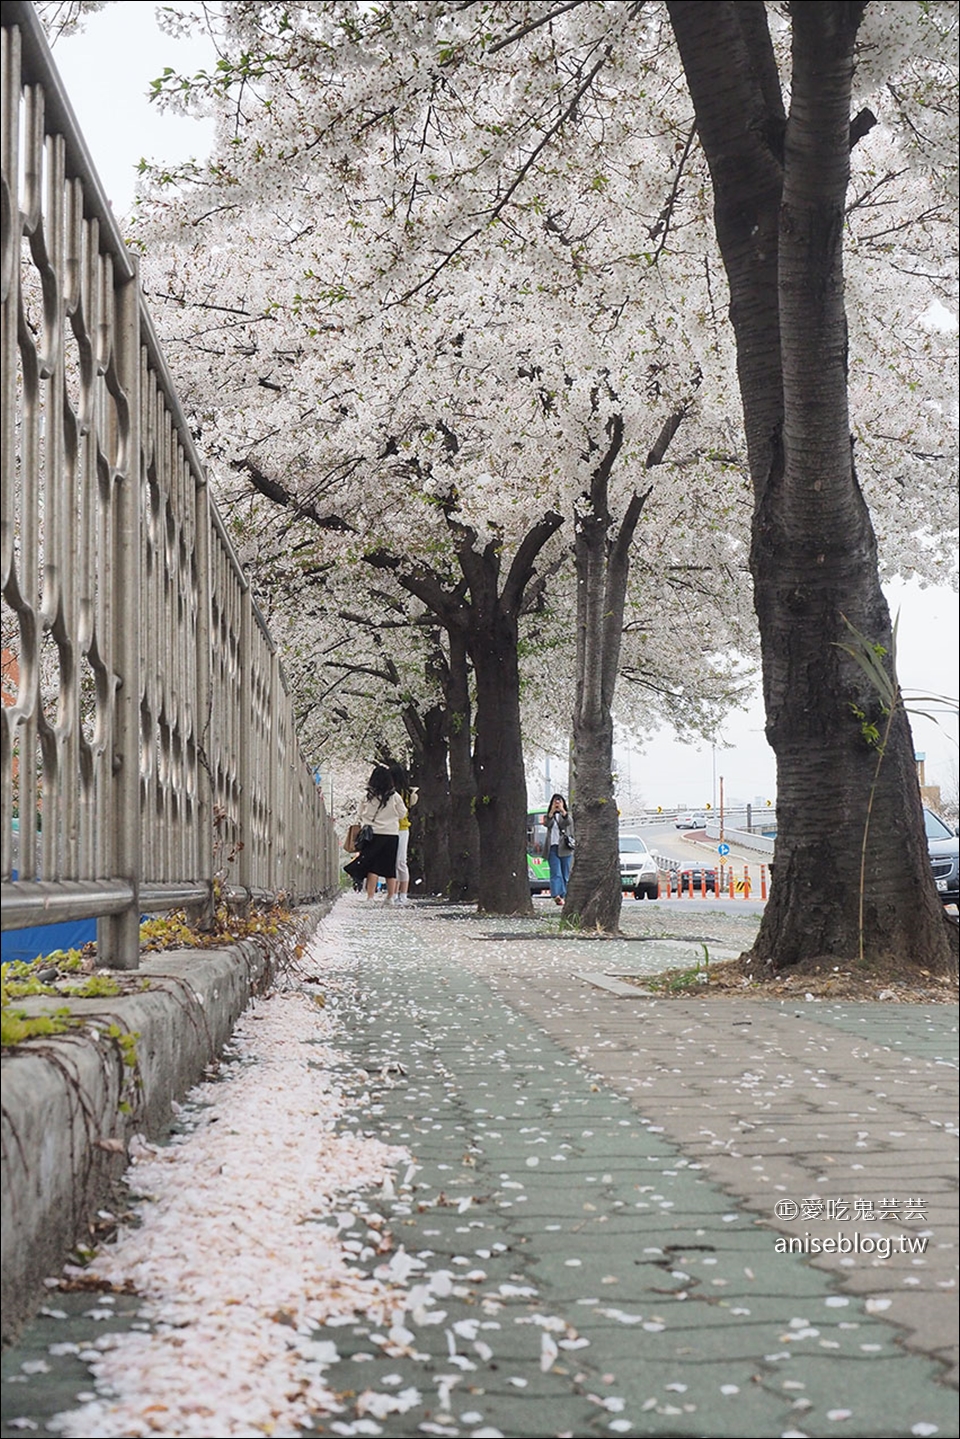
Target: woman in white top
382, 810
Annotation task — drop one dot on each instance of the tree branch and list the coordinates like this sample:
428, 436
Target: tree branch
280, 495
600, 478
521, 568
532, 25
668, 429
445, 604
533, 593
465, 537
662, 226
751, 18
494, 212
414, 725
861, 125
390, 673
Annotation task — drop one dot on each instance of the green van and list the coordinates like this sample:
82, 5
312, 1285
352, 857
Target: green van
538, 870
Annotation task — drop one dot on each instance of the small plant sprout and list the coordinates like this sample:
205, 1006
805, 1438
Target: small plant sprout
870, 658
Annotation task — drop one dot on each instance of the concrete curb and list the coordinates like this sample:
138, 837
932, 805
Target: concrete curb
65, 1135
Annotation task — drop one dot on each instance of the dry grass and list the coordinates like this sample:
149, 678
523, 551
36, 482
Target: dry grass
822, 979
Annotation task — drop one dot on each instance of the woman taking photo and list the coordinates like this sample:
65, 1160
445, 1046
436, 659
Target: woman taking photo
558, 845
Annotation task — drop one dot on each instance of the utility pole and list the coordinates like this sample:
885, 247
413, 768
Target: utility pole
722, 841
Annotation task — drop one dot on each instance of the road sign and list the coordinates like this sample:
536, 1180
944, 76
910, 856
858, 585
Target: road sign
723, 849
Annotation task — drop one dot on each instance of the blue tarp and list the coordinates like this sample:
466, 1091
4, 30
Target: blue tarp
27, 944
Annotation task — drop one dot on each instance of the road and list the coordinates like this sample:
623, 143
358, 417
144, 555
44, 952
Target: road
666, 839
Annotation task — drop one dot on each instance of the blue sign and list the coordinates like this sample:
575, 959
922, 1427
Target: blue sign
723, 849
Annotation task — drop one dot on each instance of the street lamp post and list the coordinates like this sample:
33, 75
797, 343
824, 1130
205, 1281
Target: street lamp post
720, 849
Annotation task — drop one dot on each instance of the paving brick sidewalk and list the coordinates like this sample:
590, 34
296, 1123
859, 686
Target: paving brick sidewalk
647, 1173
591, 1230
838, 1104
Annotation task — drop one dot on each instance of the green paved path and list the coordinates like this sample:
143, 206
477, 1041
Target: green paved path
590, 1232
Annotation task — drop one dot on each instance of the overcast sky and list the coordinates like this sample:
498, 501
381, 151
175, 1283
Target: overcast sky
107, 72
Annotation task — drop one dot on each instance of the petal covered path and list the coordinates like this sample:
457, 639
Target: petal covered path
452, 1181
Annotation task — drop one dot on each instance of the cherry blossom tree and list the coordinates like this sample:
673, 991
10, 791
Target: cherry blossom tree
461, 142
533, 378
536, 82
477, 413
780, 184
362, 443
372, 680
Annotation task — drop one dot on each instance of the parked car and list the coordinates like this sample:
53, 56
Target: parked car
638, 868
944, 848
699, 875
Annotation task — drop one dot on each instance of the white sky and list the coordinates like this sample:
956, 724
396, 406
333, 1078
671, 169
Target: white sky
107, 72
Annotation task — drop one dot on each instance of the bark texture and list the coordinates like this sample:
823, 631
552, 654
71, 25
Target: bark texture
464, 836
429, 856
602, 554
501, 786
779, 193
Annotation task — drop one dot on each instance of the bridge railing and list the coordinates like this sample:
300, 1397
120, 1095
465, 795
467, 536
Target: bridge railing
147, 735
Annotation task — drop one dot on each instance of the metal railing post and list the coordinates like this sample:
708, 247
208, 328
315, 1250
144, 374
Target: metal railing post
206, 798
246, 700
118, 935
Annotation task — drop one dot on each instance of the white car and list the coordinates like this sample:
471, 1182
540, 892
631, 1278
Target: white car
638, 868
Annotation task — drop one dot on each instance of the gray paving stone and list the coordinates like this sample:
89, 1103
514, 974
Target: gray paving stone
651, 1245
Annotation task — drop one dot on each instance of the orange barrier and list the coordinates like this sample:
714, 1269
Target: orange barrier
725, 883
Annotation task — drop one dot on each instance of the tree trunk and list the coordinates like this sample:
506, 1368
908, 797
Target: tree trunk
779, 219
491, 633
501, 786
430, 817
594, 895
464, 836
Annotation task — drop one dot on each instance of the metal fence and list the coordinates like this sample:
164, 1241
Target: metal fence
759, 819
148, 744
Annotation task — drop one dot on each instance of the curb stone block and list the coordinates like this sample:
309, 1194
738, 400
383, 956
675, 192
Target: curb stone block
64, 1135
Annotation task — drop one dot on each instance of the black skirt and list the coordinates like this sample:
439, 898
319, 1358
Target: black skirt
377, 857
